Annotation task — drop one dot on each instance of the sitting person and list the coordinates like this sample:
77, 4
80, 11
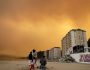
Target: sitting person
43, 63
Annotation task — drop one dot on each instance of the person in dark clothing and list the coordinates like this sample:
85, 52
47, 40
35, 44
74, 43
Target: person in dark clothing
30, 56
43, 63
31, 61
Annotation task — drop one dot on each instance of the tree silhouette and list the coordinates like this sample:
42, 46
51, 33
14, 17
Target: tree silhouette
40, 54
88, 42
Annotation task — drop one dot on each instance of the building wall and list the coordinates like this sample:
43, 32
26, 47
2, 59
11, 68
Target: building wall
57, 53
73, 38
49, 54
54, 53
63, 46
46, 54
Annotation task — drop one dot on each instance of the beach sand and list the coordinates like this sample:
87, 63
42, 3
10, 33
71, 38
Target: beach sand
23, 65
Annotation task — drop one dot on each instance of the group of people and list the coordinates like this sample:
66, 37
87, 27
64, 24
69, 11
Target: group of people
33, 60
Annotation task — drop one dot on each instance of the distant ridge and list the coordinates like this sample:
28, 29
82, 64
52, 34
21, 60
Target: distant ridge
10, 57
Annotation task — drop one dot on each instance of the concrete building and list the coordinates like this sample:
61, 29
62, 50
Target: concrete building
46, 53
74, 39
55, 53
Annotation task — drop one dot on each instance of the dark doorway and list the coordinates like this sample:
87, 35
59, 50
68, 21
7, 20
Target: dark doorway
78, 49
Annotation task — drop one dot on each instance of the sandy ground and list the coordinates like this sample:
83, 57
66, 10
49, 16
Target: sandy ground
23, 65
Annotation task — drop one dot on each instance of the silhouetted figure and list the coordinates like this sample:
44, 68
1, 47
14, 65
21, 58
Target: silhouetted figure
30, 56
43, 63
32, 59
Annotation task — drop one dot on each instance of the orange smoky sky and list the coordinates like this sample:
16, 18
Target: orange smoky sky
39, 24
